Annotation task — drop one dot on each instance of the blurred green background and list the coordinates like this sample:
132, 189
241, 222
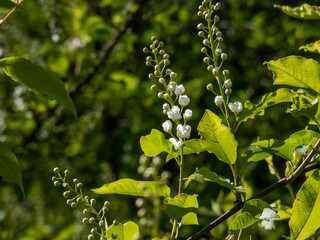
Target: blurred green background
111, 91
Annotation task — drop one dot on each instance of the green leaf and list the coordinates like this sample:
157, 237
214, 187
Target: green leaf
296, 71
6, 5
255, 207
209, 176
190, 219
37, 79
189, 147
155, 143
217, 138
303, 137
251, 110
284, 212
132, 187
127, 231
251, 213
10, 167
305, 211
242, 221
305, 11
276, 147
311, 47
180, 205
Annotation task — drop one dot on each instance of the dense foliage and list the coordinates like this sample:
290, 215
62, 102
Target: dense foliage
95, 49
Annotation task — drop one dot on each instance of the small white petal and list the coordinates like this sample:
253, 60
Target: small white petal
179, 90
184, 100
174, 113
167, 126
218, 101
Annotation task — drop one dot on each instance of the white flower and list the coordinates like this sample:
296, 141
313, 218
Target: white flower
218, 101
187, 114
183, 131
177, 144
228, 83
235, 107
172, 87
179, 90
167, 126
184, 100
174, 113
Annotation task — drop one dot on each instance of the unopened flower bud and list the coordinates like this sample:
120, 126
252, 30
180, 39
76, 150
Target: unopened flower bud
66, 172
199, 178
228, 91
207, 16
166, 62
56, 183
187, 114
200, 14
216, 19
218, 51
162, 80
226, 73
160, 95
85, 220
167, 126
94, 230
101, 223
75, 181
206, 42
79, 185
148, 59
200, 26
228, 83
215, 71
91, 237
153, 38
214, 29
166, 56
165, 106
157, 67
173, 75
168, 71
219, 101
206, 60
201, 34
156, 72
150, 76
161, 44
145, 50
106, 204
65, 185
154, 87
210, 68
166, 96
56, 170
224, 56
162, 52
66, 194
219, 34
204, 50
73, 205
172, 87
220, 39
148, 64
210, 87
91, 220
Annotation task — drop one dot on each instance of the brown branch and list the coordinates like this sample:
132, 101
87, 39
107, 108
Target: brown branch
204, 233
12, 10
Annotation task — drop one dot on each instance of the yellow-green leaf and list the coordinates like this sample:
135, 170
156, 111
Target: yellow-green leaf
132, 187
305, 211
127, 231
296, 71
305, 11
180, 205
311, 47
217, 138
155, 143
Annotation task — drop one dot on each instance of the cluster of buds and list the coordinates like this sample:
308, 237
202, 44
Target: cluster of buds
73, 194
214, 56
171, 92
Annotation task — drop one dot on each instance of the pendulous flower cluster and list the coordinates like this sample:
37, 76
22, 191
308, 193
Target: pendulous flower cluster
215, 57
171, 92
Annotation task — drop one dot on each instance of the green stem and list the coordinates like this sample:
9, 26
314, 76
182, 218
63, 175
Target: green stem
180, 190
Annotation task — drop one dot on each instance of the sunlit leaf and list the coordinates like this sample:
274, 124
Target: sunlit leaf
190, 219
127, 231
155, 143
242, 221
132, 187
37, 79
311, 47
10, 167
189, 147
251, 110
296, 71
180, 205
305, 11
217, 138
276, 147
305, 211
284, 212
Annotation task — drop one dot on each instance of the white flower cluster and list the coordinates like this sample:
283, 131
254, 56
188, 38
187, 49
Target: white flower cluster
175, 114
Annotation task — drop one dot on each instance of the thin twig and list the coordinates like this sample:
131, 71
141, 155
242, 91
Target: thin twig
282, 182
12, 10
